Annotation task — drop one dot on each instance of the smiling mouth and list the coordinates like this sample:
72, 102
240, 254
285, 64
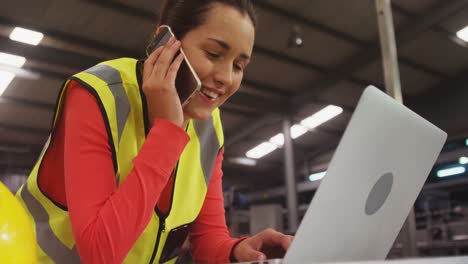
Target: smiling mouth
210, 94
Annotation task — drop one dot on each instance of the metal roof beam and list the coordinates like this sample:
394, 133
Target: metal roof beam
430, 20
80, 41
337, 34
125, 9
48, 54
360, 59
26, 102
116, 6
294, 16
23, 129
79, 61
372, 53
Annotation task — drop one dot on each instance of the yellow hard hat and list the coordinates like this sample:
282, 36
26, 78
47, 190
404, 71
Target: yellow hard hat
17, 241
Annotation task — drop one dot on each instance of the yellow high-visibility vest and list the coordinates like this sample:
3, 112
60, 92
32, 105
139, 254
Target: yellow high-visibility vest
117, 87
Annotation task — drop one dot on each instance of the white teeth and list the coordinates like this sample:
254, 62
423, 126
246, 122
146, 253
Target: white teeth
210, 94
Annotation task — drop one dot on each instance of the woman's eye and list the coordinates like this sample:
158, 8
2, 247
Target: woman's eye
238, 67
213, 55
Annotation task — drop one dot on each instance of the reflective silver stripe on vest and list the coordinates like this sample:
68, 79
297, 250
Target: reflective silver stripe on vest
46, 239
44, 148
112, 77
209, 146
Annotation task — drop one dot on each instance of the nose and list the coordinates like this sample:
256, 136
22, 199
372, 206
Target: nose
223, 76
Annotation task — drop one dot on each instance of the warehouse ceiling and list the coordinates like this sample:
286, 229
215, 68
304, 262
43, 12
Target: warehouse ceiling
339, 57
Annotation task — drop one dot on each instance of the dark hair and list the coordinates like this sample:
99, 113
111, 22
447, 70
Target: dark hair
185, 15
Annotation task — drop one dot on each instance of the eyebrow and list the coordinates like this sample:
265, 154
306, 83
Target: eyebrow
226, 46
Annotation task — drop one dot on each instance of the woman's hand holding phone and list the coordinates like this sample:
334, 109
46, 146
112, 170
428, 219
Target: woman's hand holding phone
159, 75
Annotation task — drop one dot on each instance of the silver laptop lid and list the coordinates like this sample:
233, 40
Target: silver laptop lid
374, 178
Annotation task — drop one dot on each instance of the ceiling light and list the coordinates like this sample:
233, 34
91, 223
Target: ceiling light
12, 60
26, 36
317, 176
20, 72
322, 116
296, 131
466, 142
278, 139
463, 160
261, 150
463, 34
5, 80
243, 161
451, 172
295, 37
298, 41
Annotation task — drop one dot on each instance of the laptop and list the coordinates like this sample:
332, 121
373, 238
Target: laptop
371, 184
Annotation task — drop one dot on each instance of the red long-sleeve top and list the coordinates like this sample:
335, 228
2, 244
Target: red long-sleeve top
77, 173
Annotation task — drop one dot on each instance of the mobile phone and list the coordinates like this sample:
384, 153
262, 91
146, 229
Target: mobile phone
187, 82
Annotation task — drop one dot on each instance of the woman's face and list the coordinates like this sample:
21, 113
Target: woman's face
219, 51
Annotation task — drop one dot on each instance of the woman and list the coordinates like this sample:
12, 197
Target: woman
128, 173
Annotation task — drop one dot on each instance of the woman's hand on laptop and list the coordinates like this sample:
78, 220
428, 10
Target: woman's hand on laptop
268, 244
